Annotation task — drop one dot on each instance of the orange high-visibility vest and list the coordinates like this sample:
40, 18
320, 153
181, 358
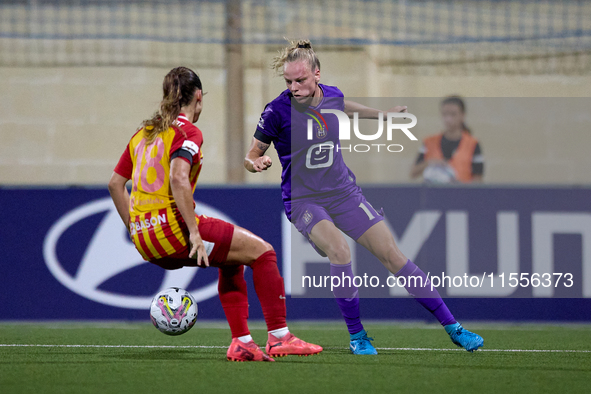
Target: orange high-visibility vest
461, 159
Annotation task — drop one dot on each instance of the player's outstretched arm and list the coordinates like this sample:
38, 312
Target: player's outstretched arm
120, 196
256, 160
366, 112
183, 196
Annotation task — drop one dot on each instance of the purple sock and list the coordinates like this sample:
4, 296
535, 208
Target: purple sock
429, 299
347, 296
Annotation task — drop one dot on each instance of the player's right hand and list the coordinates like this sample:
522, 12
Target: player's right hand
262, 163
197, 248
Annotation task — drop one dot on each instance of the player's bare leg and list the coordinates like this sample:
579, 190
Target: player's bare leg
251, 250
331, 241
380, 242
246, 247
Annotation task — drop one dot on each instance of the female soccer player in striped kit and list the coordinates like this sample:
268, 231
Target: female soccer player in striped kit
321, 196
163, 160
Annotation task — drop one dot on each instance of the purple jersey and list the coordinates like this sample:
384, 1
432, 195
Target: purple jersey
311, 159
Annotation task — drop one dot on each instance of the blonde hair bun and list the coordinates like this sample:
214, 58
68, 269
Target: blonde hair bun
297, 50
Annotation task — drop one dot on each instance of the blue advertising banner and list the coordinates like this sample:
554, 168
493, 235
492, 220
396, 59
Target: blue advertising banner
472, 242
65, 253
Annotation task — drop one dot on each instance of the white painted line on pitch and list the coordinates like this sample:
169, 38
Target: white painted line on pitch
117, 346
422, 349
416, 349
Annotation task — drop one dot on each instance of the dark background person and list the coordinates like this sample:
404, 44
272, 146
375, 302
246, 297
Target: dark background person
453, 155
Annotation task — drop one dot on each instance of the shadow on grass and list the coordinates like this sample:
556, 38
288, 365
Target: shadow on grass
450, 361
94, 357
168, 355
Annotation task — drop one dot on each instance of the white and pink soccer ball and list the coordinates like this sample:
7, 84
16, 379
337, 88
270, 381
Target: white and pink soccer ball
173, 311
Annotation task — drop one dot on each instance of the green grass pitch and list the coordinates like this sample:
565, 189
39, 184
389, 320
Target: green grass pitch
414, 358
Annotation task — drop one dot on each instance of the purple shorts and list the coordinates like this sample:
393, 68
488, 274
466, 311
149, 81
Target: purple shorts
348, 210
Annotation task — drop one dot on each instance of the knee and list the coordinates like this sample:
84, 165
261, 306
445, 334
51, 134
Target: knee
266, 247
393, 259
339, 253
261, 248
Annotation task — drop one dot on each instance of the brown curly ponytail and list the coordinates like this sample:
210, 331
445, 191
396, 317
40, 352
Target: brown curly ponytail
179, 87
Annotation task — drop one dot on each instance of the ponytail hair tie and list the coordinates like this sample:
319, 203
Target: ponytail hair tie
304, 46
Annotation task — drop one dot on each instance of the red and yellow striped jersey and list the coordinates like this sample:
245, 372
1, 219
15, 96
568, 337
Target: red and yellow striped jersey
156, 225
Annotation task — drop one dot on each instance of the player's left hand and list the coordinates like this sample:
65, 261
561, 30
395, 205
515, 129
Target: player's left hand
198, 248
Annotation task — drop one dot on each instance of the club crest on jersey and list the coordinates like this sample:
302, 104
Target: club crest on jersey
316, 125
321, 132
261, 123
307, 217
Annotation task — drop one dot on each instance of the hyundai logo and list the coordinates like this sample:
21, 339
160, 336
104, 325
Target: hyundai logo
109, 253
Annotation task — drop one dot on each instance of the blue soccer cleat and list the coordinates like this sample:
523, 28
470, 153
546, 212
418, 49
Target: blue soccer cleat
464, 338
360, 344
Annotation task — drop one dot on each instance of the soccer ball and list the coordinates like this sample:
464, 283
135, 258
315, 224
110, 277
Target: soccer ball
173, 311
439, 174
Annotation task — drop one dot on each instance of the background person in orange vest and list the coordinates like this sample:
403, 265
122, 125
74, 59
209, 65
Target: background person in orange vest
453, 155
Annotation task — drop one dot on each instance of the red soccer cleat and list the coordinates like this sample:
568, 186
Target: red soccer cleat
290, 344
250, 351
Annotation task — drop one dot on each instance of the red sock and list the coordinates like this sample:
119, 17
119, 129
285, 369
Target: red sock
234, 298
268, 284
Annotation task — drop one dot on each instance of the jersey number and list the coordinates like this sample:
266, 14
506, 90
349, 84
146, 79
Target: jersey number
367, 211
149, 160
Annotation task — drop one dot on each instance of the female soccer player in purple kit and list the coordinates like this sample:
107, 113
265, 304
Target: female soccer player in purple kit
321, 196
